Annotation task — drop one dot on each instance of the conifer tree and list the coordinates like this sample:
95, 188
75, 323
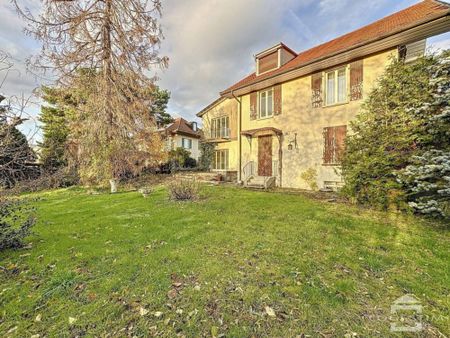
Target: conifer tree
118, 40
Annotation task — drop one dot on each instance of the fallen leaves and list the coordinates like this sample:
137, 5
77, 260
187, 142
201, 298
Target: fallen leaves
143, 311
270, 312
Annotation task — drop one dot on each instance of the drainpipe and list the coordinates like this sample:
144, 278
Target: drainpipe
239, 178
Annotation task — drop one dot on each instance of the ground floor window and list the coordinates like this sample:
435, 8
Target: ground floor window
220, 161
334, 144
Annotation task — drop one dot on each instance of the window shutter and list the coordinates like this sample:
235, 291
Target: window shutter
328, 145
316, 89
340, 134
277, 100
253, 106
356, 80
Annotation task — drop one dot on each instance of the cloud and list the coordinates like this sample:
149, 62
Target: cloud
211, 43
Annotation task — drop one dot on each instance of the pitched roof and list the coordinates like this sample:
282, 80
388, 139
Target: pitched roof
424, 11
204, 110
182, 126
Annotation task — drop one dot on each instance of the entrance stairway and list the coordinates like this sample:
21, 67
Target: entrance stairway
253, 181
260, 182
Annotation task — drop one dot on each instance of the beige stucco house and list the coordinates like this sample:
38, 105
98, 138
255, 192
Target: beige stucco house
183, 134
286, 123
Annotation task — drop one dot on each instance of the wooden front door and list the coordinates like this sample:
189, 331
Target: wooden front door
265, 156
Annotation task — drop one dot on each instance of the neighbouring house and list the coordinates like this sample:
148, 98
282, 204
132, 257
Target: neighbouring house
286, 123
183, 134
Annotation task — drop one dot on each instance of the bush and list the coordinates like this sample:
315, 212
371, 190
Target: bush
16, 221
62, 178
184, 190
190, 163
400, 137
178, 158
310, 177
207, 155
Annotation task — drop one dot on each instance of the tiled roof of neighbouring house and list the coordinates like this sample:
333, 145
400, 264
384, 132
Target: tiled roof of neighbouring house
422, 12
182, 126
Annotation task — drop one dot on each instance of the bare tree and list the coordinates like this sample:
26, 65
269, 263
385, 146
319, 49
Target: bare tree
118, 42
16, 156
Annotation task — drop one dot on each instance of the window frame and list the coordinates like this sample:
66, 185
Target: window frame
217, 133
189, 143
266, 91
221, 160
336, 71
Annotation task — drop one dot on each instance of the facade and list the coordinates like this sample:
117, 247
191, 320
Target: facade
286, 123
183, 134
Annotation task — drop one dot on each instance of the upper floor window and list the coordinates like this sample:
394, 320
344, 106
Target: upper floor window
266, 103
186, 143
220, 127
336, 86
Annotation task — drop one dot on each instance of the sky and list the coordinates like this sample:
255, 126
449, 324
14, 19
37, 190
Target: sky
211, 43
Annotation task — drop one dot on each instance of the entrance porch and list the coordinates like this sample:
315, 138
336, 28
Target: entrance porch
262, 158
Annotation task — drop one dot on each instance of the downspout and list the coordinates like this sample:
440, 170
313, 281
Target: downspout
239, 178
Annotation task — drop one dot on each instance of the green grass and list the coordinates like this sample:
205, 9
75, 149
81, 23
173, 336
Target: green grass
213, 266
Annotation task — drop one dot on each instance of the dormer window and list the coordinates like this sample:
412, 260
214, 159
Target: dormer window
273, 58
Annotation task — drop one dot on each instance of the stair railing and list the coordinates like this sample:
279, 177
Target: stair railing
248, 171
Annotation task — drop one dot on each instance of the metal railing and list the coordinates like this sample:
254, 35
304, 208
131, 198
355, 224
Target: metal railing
223, 133
248, 170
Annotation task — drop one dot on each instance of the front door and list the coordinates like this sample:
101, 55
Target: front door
265, 156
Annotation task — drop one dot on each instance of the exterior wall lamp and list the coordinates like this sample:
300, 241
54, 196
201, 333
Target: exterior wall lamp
293, 143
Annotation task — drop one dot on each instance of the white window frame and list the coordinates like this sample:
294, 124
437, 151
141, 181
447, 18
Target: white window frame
188, 141
221, 156
267, 115
336, 86
220, 127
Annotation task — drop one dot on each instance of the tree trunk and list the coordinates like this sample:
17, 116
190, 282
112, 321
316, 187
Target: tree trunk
113, 184
107, 77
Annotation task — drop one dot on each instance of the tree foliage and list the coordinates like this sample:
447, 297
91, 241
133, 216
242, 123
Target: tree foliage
16, 155
117, 41
206, 155
181, 158
158, 106
54, 118
398, 125
16, 220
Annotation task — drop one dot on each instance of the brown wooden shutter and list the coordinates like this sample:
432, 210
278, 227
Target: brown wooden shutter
339, 135
328, 145
334, 144
277, 100
356, 80
316, 90
253, 106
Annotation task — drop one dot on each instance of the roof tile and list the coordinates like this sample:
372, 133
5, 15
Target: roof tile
424, 11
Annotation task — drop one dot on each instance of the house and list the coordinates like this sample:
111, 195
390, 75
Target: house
286, 123
183, 134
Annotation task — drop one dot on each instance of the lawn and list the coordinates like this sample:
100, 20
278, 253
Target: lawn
236, 263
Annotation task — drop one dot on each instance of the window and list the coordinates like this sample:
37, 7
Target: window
266, 103
336, 86
220, 161
186, 143
220, 127
334, 144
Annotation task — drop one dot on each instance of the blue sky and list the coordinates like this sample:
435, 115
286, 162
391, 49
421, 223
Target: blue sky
211, 43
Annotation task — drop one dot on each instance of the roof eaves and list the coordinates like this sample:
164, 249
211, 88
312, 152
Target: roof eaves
210, 106
287, 70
